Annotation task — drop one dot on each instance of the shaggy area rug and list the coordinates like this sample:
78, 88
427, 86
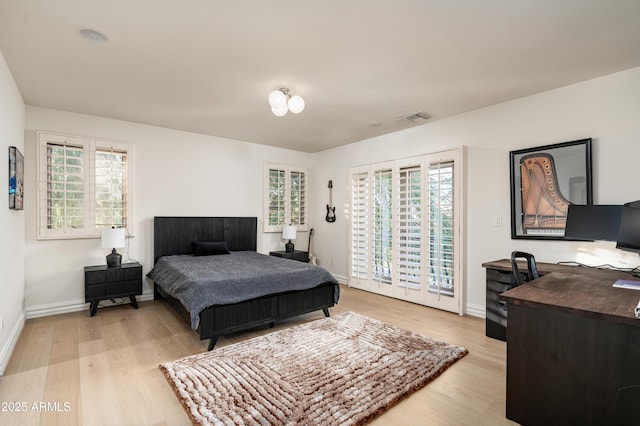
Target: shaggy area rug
344, 370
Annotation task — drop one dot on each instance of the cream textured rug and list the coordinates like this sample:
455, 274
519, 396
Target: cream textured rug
346, 370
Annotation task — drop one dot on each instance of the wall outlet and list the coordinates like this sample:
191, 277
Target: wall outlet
497, 222
331, 261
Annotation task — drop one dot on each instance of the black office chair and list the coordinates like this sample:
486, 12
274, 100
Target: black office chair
532, 270
516, 276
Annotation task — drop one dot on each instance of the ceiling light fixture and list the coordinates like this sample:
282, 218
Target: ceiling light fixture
281, 101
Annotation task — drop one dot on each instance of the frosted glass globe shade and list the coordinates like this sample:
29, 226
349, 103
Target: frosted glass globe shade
296, 104
277, 99
282, 111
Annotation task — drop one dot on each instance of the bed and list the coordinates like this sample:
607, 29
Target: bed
173, 240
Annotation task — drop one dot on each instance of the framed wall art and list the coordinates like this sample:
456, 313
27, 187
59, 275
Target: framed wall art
544, 181
16, 178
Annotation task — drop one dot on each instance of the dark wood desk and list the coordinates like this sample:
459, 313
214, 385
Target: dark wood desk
572, 342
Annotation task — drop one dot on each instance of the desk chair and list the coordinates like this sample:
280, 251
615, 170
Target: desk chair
516, 276
532, 270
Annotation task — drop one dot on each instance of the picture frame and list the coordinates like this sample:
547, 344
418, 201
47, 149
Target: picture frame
544, 181
16, 179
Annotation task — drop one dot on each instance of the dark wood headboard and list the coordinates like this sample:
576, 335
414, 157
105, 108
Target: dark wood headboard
174, 234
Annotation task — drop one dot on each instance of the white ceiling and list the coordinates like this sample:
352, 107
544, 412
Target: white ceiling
207, 66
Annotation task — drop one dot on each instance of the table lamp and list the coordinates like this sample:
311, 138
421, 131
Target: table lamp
113, 238
289, 233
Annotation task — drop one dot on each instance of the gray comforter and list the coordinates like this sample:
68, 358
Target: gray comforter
203, 281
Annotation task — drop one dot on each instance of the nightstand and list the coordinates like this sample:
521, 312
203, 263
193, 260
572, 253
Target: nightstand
103, 283
300, 256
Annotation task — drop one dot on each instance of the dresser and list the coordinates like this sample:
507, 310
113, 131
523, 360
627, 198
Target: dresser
104, 283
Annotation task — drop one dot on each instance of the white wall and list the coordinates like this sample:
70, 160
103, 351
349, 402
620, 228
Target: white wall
179, 173
176, 173
12, 222
606, 109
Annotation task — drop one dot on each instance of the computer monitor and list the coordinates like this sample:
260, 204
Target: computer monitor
629, 233
593, 222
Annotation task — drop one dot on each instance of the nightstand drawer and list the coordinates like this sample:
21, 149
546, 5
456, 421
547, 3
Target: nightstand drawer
104, 276
114, 289
132, 273
96, 275
102, 291
132, 287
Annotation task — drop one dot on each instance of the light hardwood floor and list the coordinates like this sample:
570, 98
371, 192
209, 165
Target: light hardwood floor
75, 370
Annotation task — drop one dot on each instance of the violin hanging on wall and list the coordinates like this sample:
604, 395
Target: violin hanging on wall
331, 210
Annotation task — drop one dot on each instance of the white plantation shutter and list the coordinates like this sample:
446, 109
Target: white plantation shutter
65, 187
84, 185
382, 225
286, 197
276, 196
441, 231
298, 197
409, 226
359, 225
111, 189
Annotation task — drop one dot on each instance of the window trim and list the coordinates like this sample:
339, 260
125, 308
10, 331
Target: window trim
89, 145
289, 169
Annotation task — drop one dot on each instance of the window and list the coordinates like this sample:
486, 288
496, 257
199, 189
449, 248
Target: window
111, 188
382, 223
409, 226
359, 224
441, 276
405, 230
286, 197
84, 185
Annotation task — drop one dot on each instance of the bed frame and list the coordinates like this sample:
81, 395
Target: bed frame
173, 236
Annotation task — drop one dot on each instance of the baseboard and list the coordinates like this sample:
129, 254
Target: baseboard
476, 311
7, 349
71, 306
341, 279
56, 308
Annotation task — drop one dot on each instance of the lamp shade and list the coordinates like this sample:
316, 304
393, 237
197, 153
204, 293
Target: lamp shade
113, 238
289, 232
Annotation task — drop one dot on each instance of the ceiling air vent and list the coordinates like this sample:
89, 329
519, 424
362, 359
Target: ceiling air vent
417, 118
